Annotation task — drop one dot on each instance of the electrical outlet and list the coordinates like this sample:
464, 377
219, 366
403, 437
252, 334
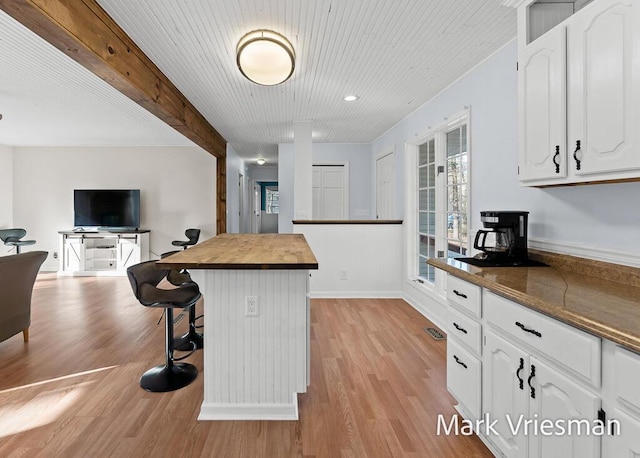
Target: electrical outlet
343, 274
55, 255
251, 306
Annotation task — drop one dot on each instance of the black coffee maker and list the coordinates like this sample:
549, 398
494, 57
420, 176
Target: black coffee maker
505, 243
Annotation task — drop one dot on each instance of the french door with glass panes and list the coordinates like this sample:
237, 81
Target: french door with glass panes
443, 196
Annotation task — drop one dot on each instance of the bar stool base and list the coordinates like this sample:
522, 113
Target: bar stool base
161, 379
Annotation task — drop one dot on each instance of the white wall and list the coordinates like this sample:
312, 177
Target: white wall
263, 173
6, 189
355, 260
235, 165
593, 220
177, 189
360, 161
594, 216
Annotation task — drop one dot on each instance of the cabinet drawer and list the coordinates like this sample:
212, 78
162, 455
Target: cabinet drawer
573, 349
464, 329
465, 295
463, 377
627, 374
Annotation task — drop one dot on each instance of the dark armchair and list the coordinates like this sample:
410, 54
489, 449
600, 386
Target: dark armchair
17, 276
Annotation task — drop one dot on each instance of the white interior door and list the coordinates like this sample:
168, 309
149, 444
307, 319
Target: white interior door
384, 187
329, 192
255, 209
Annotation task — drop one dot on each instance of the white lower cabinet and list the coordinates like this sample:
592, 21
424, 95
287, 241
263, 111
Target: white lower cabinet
623, 394
538, 411
547, 389
463, 377
569, 410
626, 443
504, 395
464, 331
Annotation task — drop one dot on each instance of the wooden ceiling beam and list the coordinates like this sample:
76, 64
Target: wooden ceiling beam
85, 32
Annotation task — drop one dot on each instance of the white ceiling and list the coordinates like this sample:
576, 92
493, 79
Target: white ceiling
395, 55
47, 99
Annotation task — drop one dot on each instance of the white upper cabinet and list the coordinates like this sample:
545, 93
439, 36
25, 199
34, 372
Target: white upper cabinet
542, 107
579, 88
603, 88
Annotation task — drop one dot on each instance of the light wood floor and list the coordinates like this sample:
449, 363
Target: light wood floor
377, 385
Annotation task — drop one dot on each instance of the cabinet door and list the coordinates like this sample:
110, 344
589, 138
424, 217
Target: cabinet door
603, 76
464, 377
626, 442
128, 252
542, 108
556, 398
504, 395
74, 254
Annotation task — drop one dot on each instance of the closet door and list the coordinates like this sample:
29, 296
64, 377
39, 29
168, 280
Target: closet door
329, 192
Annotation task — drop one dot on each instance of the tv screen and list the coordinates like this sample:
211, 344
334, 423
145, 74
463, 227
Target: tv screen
107, 208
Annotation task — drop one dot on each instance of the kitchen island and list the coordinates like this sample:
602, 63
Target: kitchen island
256, 322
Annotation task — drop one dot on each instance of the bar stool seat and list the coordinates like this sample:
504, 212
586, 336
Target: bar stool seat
13, 237
144, 278
192, 235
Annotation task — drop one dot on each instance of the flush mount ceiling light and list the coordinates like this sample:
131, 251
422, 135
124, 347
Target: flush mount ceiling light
265, 57
351, 98
260, 161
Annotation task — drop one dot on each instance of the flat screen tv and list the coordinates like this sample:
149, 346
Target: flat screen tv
106, 208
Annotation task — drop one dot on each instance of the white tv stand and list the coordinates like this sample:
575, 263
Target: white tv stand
102, 252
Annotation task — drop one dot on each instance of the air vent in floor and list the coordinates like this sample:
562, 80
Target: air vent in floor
435, 333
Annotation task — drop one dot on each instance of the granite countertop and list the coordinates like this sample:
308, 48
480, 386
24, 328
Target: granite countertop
600, 298
245, 251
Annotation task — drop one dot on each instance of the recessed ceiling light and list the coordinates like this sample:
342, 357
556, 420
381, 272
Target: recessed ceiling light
260, 161
351, 98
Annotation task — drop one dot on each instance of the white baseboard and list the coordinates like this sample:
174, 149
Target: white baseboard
98, 273
582, 251
356, 294
424, 311
278, 412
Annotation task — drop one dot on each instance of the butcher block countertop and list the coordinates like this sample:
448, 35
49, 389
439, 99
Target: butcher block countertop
245, 251
600, 298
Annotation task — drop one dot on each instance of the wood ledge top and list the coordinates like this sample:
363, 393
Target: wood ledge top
603, 301
245, 251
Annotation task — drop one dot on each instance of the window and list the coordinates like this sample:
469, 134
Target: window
272, 200
442, 196
457, 191
426, 208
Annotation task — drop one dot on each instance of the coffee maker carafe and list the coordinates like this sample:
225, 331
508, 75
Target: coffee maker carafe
506, 241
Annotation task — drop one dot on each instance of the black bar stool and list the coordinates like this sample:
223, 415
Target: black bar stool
192, 234
144, 278
183, 343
